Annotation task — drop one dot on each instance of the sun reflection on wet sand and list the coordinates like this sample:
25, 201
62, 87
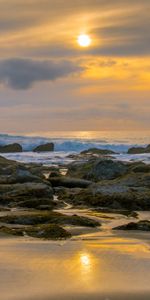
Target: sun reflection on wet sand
85, 260
31, 268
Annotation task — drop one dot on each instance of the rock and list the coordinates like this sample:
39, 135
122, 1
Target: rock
130, 192
5, 162
69, 182
141, 225
44, 148
18, 174
139, 150
54, 174
11, 148
98, 151
48, 231
140, 167
20, 188
26, 194
34, 218
97, 170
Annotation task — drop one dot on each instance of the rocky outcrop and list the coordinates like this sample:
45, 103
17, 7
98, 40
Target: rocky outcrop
98, 151
30, 194
139, 167
20, 188
141, 225
48, 231
34, 218
11, 148
129, 192
69, 182
19, 175
139, 150
99, 169
44, 148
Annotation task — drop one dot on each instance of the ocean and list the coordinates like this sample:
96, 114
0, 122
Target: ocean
70, 142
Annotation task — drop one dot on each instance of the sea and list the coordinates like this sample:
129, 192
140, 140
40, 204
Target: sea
73, 142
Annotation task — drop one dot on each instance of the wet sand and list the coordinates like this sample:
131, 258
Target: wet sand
97, 264
91, 266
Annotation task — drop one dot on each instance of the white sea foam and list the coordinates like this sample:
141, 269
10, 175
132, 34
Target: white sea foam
75, 142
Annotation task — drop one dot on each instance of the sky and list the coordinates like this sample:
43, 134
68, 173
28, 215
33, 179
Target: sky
48, 82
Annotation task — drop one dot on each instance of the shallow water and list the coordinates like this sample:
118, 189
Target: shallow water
95, 264
107, 268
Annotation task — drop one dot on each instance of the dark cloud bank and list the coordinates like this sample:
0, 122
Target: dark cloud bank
23, 73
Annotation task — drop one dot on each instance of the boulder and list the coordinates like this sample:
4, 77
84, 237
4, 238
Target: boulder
98, 151
4, 162
7, 166
54, 174
18, 174
99, 169
130, 192
29, 194
140, 167
20, 188
69, 182
44, 148
34, 218
11, 148
143, 225
139, 150
48, 231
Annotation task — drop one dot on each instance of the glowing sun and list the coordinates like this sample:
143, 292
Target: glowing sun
84, 40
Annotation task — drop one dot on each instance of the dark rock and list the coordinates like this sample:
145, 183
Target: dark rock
69, 182
18, 174
11, 148
139, 150
6, 162
32, 218
98, 151
141, 225
44, 148
97, 170
48, 231
140, 167
54, 174
130, 192
20, 188
26, 194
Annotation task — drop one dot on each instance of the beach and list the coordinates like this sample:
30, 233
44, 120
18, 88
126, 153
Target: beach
87, 268
61, 218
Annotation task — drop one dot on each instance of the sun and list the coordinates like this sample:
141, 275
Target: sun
84, 40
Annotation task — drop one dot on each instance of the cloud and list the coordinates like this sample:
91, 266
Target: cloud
23, 73
49, 28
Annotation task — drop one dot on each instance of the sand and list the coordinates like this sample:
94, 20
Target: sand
91, 266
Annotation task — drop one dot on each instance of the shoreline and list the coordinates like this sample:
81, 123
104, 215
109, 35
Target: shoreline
97, 267
87, 203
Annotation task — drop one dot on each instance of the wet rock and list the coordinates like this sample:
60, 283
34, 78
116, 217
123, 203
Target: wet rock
11, 148
130, 192
20, 188
48, 231
5, 162
140, 168
141, 225
52, 217
69, 182
97, 151
97, 170
18, 174
54, 174
26, 194
139, 150
44, 148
